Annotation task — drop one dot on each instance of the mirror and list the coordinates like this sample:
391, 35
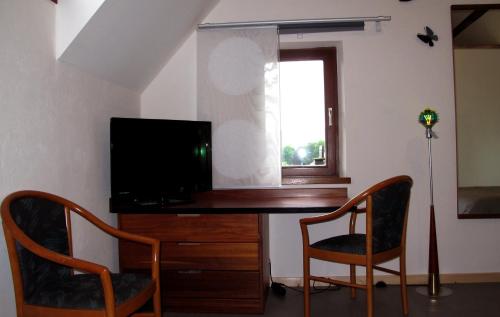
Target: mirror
476, 53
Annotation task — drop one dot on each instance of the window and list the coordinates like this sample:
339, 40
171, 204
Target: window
309, 136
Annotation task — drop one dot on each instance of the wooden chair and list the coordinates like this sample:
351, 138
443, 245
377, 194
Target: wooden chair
37, 230
386, 208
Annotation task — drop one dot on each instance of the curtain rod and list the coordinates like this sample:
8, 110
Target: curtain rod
302, 22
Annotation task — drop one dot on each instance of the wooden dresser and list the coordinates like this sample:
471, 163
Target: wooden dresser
209, 262
215, 250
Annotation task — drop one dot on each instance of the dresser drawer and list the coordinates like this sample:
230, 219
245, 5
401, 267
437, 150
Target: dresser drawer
211, 284
201, 256
194, 228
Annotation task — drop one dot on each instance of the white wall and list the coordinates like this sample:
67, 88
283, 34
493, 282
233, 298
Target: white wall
477, 73
174, 96
388, 78
54, 133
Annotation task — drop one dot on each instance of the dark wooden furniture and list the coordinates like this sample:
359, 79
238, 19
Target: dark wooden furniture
214, 251
385, 239
37, 228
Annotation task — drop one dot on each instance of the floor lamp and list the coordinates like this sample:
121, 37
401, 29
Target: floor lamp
428, 118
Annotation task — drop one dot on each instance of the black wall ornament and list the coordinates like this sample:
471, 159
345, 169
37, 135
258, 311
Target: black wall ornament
429, 37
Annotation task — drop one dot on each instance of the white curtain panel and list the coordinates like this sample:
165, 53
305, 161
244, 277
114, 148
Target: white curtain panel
238, 91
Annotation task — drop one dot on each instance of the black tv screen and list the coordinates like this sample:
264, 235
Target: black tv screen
157, 162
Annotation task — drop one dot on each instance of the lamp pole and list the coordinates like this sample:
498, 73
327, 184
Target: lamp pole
428, 118
433, 282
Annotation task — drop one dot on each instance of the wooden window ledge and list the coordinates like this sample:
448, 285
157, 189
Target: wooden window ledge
304, 180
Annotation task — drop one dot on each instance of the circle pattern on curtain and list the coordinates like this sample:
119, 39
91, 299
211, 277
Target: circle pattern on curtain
235, 66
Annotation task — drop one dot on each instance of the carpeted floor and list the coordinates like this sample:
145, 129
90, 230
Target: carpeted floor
481, 300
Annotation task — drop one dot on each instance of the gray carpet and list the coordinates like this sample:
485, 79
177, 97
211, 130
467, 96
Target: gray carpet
466, 300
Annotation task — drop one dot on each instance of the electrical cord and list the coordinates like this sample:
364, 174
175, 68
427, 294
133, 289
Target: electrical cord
280, 288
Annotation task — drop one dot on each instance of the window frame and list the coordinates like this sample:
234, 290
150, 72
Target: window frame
330, 172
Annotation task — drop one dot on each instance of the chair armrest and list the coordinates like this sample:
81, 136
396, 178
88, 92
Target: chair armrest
120, 234
112, 230
108, 292
350, 206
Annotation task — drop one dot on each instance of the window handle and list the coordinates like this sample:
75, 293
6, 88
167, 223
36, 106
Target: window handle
330, 116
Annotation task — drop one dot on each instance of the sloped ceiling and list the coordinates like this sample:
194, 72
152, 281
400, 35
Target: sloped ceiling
484, 31
128, 41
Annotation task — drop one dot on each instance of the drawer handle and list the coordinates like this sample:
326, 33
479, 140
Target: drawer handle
188, 243
189, 272
188, 215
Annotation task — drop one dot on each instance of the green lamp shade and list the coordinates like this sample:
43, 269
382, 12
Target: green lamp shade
428, 118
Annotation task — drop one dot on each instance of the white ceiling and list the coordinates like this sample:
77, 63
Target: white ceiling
128, 41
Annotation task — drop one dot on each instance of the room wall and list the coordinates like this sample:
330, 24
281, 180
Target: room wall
477, 73
54, 133
174, 96
388, 78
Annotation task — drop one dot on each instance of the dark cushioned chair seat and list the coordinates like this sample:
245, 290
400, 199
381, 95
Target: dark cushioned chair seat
349, 243
85, 290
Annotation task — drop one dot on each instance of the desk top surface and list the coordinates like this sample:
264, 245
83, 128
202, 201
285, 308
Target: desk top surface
307, 200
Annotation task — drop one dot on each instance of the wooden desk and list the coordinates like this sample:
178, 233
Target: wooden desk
215, 250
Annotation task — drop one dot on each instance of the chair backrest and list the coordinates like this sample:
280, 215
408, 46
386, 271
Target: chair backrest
389, 212
44, 222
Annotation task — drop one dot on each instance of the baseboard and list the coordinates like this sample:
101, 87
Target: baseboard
415, 279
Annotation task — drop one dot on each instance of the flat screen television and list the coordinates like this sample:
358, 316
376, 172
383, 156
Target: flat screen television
157, 163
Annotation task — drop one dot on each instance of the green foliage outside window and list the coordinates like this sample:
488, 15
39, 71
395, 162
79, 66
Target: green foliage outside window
291, 156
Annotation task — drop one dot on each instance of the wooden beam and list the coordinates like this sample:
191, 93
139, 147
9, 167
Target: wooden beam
471, 18
456, 7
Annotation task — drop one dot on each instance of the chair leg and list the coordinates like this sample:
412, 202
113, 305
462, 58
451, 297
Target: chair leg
369, 290
404, 289
307, 295
157, 301
353, 280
